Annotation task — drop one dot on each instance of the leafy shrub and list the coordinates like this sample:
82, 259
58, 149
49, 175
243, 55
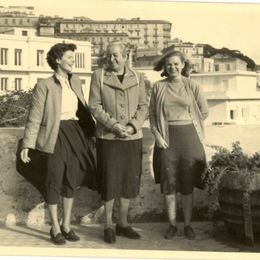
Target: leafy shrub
14, 108
223, 162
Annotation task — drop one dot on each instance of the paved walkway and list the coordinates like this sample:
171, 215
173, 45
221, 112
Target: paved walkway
208, 238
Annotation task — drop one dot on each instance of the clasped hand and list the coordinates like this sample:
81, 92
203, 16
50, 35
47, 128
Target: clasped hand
123, 131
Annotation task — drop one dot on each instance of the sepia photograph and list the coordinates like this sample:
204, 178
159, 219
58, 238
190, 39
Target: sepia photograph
91, 89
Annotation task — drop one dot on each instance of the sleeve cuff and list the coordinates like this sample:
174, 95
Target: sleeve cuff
134, 125
135, 130
112, 123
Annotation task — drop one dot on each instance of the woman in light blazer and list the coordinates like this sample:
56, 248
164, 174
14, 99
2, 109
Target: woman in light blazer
59, 131
118, 102
177, 111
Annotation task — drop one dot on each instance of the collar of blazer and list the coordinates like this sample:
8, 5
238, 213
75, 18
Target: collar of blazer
75, 86
111, 79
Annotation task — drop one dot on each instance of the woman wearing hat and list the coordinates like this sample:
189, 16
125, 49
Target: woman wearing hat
57, 139
177, 110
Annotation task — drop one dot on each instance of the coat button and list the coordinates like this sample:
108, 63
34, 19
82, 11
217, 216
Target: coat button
122, 117
122, 105
121, 93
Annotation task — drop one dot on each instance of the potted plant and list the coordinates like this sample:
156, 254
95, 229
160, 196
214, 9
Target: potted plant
233, 185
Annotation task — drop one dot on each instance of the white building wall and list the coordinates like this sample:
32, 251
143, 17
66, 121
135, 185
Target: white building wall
246, 111
28, 71
150, 73
217, 112
237, 90
247, 86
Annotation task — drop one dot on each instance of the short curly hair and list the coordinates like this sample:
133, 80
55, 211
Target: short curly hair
160, 64
124, 49
57, 51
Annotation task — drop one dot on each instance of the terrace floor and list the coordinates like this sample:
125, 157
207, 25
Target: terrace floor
209, 242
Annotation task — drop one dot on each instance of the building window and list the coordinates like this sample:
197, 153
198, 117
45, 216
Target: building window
4, 84
13, 21
40, 58
3, 58
80, 60
227, 67
244, 112
216, 67
17, 57
18, 84
21, 22
6, 21
225, 85
24, 33
232, 114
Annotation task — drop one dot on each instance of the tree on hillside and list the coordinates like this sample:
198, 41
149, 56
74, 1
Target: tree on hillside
210, 51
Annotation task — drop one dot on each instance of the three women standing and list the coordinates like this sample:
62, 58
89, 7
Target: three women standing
177, 110
59, 114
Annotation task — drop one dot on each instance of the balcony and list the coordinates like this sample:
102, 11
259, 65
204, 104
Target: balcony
134, 37
216, 95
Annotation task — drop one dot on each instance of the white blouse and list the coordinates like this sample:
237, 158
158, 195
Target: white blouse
69, 101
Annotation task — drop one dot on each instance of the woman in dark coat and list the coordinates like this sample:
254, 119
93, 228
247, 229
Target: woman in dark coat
177, 110
59, 134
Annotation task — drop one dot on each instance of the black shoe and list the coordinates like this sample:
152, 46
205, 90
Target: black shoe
109, 235
189, 233
70, 236
171, 232
58, 239
127, 232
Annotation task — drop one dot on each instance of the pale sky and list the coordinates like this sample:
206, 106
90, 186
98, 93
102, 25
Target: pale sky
235, 26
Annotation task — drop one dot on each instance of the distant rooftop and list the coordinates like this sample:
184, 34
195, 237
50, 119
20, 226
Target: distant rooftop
118, 20
91, 34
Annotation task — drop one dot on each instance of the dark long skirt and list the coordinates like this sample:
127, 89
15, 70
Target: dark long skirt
180, 167
119, 165
73, 164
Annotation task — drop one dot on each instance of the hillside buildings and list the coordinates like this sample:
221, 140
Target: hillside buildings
232, 91
142, 33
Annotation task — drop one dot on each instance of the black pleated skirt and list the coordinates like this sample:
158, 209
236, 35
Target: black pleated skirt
119, 165
73, 164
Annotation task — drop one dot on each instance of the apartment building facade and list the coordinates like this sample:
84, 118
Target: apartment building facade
23, 61
145, 33
99, 41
